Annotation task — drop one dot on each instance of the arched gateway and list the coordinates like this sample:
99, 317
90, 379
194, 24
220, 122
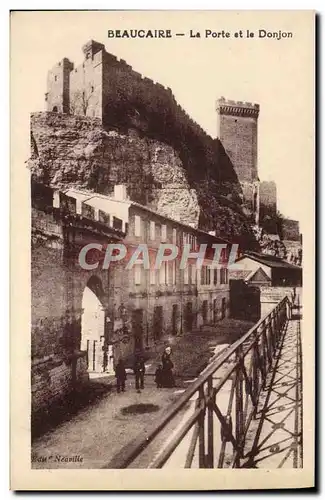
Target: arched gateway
94, 333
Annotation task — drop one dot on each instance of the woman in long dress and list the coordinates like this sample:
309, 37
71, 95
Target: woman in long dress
167, 369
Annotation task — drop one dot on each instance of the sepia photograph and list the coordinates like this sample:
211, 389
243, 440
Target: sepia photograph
163, 181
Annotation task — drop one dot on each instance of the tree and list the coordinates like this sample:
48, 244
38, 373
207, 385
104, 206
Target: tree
270, 220
271, 246
79, 102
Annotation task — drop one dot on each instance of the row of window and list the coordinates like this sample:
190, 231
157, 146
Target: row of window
167, 275
210, 276
223, 276
187, 320
153, 232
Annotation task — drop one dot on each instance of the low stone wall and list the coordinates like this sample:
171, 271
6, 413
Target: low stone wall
53, 379
272, 295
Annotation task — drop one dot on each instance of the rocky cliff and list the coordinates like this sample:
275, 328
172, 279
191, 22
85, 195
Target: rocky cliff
77, 151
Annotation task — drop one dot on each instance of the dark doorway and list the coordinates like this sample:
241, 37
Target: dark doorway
205, 312
157, 322
223, 308
174, 319
188, 319
137, 329
55, 109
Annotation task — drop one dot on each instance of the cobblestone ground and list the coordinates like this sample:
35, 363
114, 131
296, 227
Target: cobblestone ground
91, 437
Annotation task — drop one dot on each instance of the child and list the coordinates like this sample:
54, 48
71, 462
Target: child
158, 376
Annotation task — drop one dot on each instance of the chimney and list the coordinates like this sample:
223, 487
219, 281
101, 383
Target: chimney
56, 199
120, 192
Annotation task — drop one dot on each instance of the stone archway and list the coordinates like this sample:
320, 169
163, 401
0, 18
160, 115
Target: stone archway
93, 330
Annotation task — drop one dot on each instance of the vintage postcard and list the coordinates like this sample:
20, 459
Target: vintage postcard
162, 242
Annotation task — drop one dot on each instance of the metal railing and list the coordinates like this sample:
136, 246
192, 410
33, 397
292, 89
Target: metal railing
217, 408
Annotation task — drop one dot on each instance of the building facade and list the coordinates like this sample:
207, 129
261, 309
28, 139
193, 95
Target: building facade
96, 315
148, 305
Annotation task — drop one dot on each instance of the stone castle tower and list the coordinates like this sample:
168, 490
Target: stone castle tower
58, 87
78, 90
237, 130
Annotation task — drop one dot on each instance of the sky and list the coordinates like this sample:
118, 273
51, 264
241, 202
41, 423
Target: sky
276, 74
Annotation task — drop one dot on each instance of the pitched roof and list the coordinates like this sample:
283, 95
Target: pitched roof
268, 260
258, 275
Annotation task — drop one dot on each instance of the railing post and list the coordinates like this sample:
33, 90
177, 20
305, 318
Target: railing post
277, 327
255, 375
210, 460
272, 337
268, 334
264, 353
274, 334
288, 310
201, 421
283, 317
269, 342
239, 407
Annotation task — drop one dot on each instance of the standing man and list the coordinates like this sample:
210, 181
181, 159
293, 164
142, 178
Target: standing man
120, 374
139, 371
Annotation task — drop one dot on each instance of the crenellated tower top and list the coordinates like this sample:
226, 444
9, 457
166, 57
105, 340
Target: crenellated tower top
237, 108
